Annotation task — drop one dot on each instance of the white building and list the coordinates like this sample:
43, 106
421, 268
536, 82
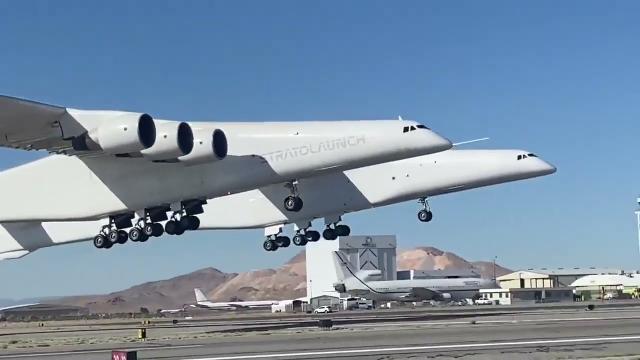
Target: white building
363, 252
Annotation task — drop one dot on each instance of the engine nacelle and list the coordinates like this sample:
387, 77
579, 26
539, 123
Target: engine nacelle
118, 133
207, 147
445, 296
173, 140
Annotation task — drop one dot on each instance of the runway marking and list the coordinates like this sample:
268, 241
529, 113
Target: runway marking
426, 347
80, 352
479, 322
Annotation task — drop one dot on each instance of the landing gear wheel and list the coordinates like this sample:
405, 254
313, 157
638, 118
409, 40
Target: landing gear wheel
143, 237
293, 203
312, 236
170, 227
158, 230
100, 241
283, 241
299, 240
179, 229
122, 236
329, 234
195, 223
342, 230
108, 245
269, 245
189, 222
147, 229
135, 234
113, 236
425, 215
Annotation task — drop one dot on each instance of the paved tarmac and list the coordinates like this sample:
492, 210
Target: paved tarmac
538, 334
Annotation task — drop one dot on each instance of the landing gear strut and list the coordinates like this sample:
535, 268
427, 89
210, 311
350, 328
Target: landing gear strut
293, 202
425, 215
273, 242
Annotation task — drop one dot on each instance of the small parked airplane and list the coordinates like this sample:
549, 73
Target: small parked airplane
362, 283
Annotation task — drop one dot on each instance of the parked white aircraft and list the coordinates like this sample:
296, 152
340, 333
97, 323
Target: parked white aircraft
203, 302
362, 283
328, 196
115, 164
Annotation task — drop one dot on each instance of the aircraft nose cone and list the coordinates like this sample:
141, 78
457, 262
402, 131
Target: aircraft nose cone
440, 143
547, 168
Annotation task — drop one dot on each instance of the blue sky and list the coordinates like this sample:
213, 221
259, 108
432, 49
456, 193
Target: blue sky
557, 78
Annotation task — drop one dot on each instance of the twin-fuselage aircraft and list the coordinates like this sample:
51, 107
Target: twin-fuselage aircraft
115, 176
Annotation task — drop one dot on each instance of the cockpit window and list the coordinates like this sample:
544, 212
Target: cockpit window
524, 156
413, 128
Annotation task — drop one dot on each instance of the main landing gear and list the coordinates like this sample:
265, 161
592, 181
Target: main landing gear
301, 238
332, 233
185, 219
293, 202
112, 233
425, 215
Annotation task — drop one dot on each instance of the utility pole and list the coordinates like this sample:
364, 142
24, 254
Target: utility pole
638, 218
496, 257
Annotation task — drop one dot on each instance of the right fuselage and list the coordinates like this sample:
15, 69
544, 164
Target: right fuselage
330, 194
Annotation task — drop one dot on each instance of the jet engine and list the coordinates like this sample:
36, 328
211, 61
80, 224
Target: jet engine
207, 147
445, 296
118, 133
340, 287
173, 140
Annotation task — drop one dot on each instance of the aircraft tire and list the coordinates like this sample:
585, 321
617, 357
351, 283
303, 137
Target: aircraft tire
312, 236
425, 215
100, 241
283, 241
293, 203
299, 240
135, 234
113, 236
158, 230
269, 245
143, 237
342, 230
148, 229
170, 227
329, 234
122, 236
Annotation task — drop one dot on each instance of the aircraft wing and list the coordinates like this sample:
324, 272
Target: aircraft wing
31, 125
17, 306
424, 294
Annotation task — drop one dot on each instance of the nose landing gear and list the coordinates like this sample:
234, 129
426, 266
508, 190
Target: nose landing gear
293, 202
425, 215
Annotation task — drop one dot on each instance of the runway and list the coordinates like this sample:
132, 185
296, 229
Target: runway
549, 334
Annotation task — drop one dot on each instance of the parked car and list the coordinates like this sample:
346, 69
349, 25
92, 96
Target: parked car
483, 301
322, 310
610, 296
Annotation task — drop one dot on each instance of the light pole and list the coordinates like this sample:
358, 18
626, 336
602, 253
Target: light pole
494, 267
638, 219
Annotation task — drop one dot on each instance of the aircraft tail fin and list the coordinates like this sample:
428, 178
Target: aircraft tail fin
200, 297
342, 266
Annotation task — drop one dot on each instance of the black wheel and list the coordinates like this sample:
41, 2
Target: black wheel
313, 235
170, 227
108, 245
425, 216
143, 237
100, 241
135, 234
113, 236
283, 241
293, 203
195, 223
269, 245
299, 240
148, 229
122, 236
329, 234
342, 230
158, 230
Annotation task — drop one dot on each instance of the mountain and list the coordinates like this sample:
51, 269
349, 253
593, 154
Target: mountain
430, 258
285, 282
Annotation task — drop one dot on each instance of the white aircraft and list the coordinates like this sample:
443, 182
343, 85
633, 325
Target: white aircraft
329, 196
111, 165
362, 283
203, 302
